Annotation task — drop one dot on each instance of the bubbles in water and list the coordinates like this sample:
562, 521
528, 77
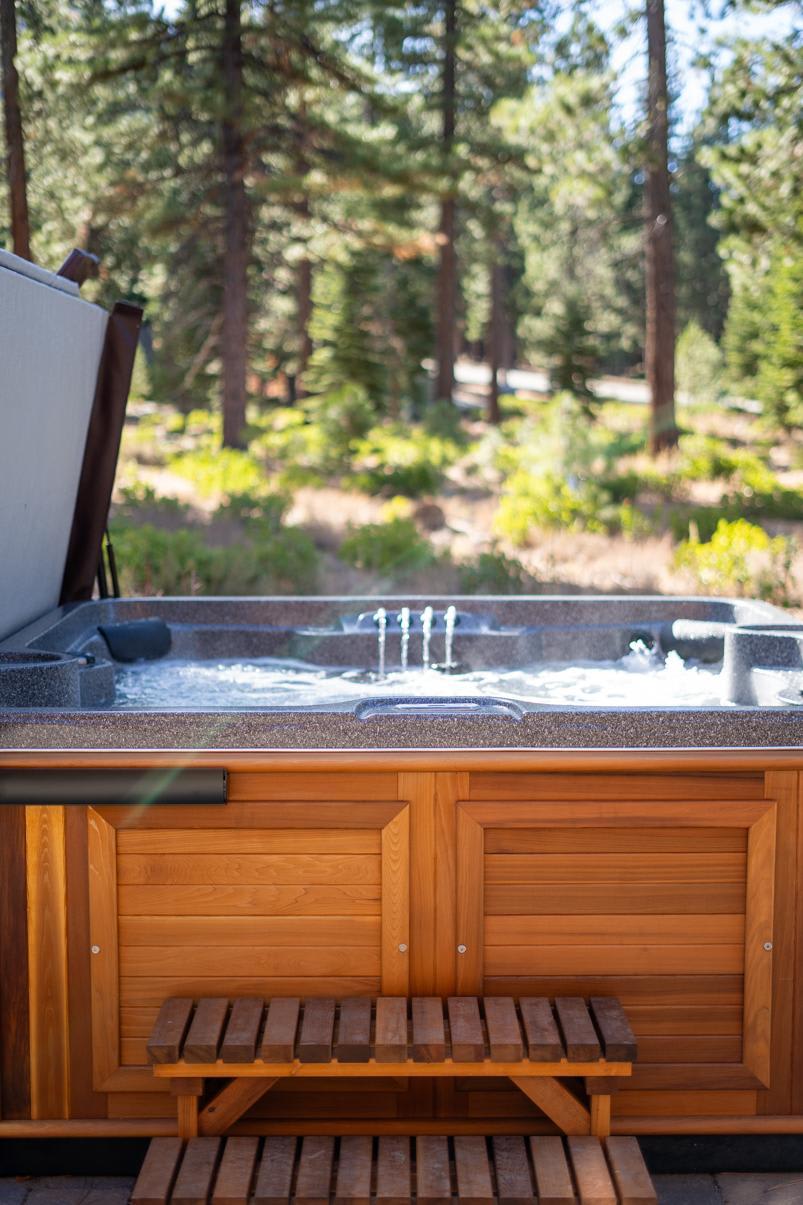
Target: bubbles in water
642, 678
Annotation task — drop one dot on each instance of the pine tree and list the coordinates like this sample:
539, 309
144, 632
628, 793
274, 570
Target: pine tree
659, 350
15, 145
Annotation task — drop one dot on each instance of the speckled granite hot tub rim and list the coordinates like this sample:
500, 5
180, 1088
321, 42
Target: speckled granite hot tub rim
603, 622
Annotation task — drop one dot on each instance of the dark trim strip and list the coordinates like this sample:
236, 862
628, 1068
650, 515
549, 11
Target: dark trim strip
177, 785
15, 1072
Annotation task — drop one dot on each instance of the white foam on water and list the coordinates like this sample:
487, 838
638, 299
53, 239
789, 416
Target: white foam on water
640, 679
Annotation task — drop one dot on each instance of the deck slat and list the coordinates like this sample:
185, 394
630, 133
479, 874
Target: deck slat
432, 1174
465, 1027
275, 1175
594, 1184
317, 1026
553, 1180
390, 1041
543, 1038
474, 1185
354, 1165
353, 1043
429, 1034
514, 1184
236, 1173
203, 1037
314, 1180
617, 1036
279, 1038
579, 1033
504, 1032
629, 1172
164, 1044
394, 1170
240, 1040
158, 1172
197, 1172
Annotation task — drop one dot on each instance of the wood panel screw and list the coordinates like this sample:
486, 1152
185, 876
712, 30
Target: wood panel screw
95, 949
767, 945
462, 949
402, 948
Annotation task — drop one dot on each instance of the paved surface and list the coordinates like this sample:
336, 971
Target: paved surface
532, 380
730, 1189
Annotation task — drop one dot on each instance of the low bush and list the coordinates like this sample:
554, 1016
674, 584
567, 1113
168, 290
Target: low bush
494, 573
530, 502
152, 561
740, 558
220, 473
393, 546
394, 459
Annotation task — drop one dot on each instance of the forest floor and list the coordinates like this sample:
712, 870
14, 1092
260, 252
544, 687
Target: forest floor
459, 519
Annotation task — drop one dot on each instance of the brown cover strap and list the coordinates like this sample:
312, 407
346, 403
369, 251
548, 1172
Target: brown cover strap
100, 453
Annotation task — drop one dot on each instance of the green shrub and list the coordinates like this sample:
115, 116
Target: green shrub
707, 458
393, 459
219, 473
740, 558
142, 496
698, 364
550, 501
387, 547
153, 561
262, 513
494, 573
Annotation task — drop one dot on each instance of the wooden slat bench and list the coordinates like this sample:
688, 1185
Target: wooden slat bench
394, 1170
254, 1044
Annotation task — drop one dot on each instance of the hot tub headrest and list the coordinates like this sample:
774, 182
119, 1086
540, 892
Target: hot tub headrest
137, 640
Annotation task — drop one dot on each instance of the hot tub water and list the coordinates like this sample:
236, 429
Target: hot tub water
642, 678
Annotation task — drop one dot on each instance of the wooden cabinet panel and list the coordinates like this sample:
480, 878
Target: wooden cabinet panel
260, 903
661, 893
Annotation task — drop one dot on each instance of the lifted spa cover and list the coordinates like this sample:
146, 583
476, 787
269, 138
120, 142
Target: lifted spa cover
50, 347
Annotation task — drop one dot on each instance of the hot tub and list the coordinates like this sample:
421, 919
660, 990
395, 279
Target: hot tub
587, 797
306, 673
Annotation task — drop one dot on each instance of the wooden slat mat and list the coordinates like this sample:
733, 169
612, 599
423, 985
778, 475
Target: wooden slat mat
464, 1029
393, 1170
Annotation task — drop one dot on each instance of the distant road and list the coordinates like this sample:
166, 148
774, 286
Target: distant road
533, 380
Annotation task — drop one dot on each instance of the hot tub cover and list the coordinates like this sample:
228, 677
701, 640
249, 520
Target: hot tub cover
50, 348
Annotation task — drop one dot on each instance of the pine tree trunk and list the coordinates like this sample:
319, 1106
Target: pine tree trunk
660, 271
15, 145
234, 332
447, 268
496, 333
304, 312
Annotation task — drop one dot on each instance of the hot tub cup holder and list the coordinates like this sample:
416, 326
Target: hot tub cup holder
34, 678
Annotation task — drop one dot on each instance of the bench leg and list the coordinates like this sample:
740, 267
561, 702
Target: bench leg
187, 1092
600, 1116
